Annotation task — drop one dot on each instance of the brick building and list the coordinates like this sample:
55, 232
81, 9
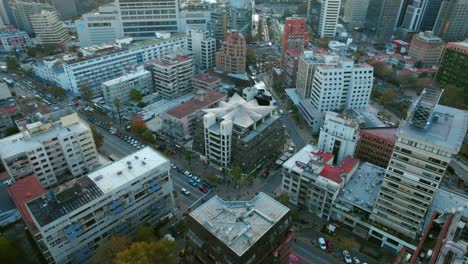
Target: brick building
231, 56
295, 35
375, 145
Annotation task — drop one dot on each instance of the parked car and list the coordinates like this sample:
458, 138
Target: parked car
184, 191
347, 257
195, 178
173, 166
329, 246
202, 188
322, 244
192, 182
356, 260
188, 174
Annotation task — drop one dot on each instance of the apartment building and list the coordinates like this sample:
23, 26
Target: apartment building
12, 39
206, 82
119, 88
295, 36
355, 12
172, 75
231, 57
452, 64
425, 144
239, 133
338, 136
57, 148
74, 221
218, 25
310, 179
142, 19
103, 25
238, 232
23, 10
426, 48
289, 67
452, 22
203, 48
329, 11
71, 9
48, 28
376, 145
194, 19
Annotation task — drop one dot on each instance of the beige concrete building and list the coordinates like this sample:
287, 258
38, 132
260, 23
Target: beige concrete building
426, 48
231, 57
48, 28
172, 75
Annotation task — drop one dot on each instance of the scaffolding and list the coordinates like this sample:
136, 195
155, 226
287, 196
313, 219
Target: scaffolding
420, 114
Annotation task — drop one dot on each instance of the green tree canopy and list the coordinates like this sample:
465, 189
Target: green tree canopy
388, 97
162, 251
455, 96
108, 250
32, 52
57, 91
97, 136
135, 95
86, 92
11, 64
251, 57
8, 252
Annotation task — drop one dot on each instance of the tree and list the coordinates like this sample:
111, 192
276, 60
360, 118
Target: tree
250, 57
117, 106
11, 64
407, 81
145, 233
148, 135
388, 97
73, 48
381, 70
97, 136
418, 64
236, 173
283, 198
57, 91
162, 251
86, 92
259, 29
8, 252
135, 95
454, 96
108, 250
138, 126
323, 43
302, 8
287, 13
141, 104
32, 52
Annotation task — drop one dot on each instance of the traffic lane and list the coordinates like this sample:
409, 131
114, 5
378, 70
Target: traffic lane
292, 130
185, 201
184, 181
310, 254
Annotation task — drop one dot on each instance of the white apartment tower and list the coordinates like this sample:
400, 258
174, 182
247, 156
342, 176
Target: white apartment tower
330, 9
75, 221
141, 19
53, 149
338, 136
355, 12
172, 75
49, 28
203, 48
425, 145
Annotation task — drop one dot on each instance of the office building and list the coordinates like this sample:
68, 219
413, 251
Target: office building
57, 148
120, 87
260, 93
71, 9
179, 122
206, 82
452, 20
49, 28
425, 144
429, 15
412, 17
194, 19
338, 136
99, 27
113, 200
203, 48
12, 39
355, 12
382, 17
218, 25
142, 19
295, 36
172, 75
6, 15
329, 11
9, 110
453, 64
375, 145
238, 232
22, 12
289, 67
426, 48
231, 57
310, 180
239, 133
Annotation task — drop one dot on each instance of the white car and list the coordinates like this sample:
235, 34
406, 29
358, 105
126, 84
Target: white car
173, 166
184, 191
322, 244
356, 260
347, 257
188, 174
195, 178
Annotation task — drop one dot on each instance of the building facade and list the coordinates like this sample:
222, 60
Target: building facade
59, 147
12, 39
289, 67
452, 22
429, 15
376, 145
110, 201
203, 48
49, 28
425, 144
426, 48
22, 12
355, 12
261, 234
452, 64
71, 9
120, 88
231, 57
295, 36
172, 75
382, 17
329, 11
194, 19
206, 82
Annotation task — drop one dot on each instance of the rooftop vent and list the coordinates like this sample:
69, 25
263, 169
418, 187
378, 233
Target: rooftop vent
130, 167
143, 162
97, 178
119, 173
129, 163
136, 157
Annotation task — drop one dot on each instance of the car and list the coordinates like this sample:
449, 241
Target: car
347, 257
329, 246
192, 182
202, 188
173, 166
195, 178
356, 260
322, 244
207, 185
184, 191
188, 174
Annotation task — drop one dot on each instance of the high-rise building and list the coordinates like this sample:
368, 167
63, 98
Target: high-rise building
239, 133
426, 48
172, 75
338, 136
194, 19
453, 65
289, 67
425, 144
22, 12
412, 17
203, 48
429, 14
218, 25
355, 12
6, 15
329, 11
57, 148
49, 28
452, 20
12, 39
238, 232
75, 220
382, 17
141, 19
71, 9
376, 145
99, 27
231, 57
295, 35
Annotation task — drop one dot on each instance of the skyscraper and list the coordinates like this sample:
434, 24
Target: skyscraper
429, 15
425, 144
49, 28
329, 12
355, 12
453, 65
382, 17
203, 48
452, 20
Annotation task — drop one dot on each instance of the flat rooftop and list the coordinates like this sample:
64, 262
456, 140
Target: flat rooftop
364, 186
239, 224
195, 105
447, 132
126, 77
161, 106
445, 201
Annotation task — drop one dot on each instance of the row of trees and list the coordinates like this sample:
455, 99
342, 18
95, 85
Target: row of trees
139, 128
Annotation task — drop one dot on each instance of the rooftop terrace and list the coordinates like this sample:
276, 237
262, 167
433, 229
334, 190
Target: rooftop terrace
239, 224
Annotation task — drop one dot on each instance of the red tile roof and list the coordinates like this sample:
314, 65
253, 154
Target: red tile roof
325, 156
195, 105
295, 52
23, 191
348, 164
331, 173
205, 78
384, 133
